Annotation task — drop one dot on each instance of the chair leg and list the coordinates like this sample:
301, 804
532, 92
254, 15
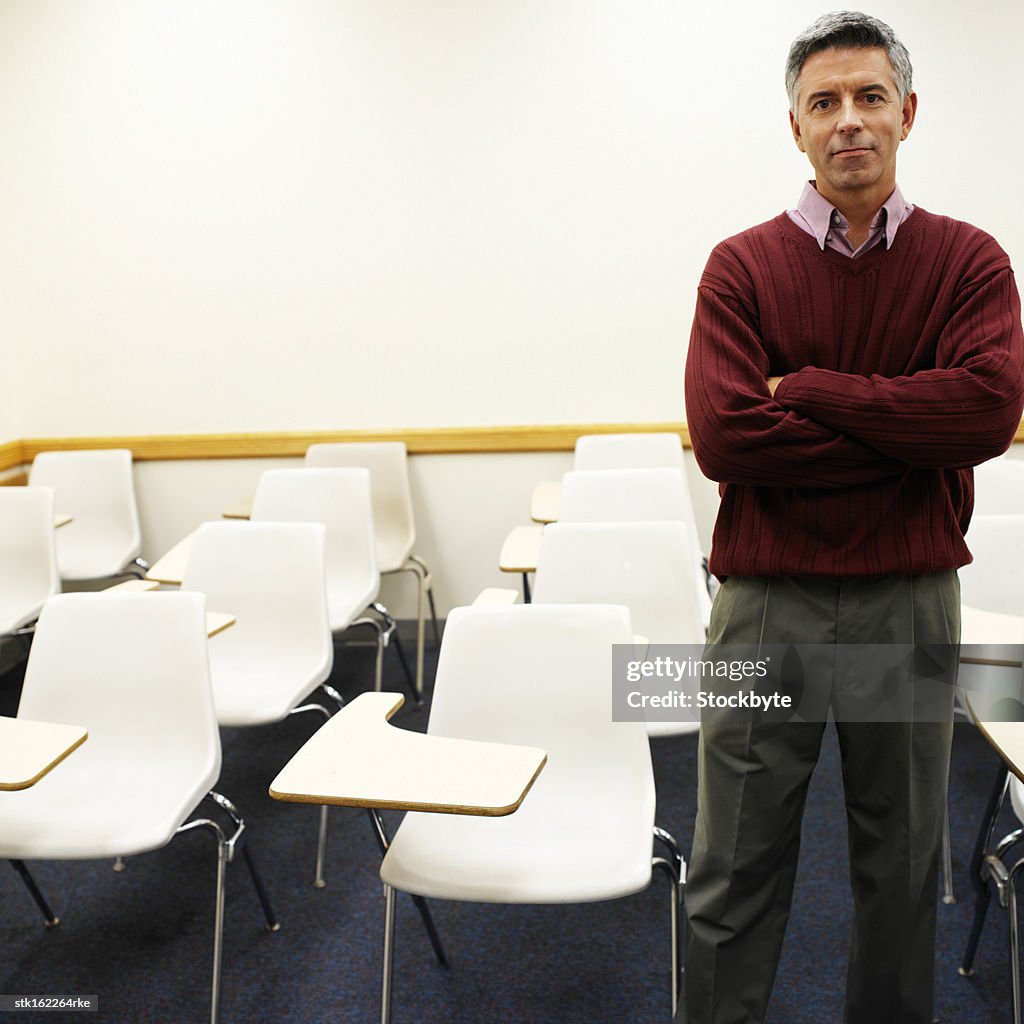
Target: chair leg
225, 854
273, 925
377, 823
387, 631
49, 917
321, 849
1011, 906
664, 865
978, 878
416, 565
387, 973
223, 851
433, 616
421, 586
410, 681
321, 839
137, 568
948, 895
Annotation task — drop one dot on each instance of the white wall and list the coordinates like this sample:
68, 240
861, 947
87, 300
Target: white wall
230, 214
234, 215
9, 389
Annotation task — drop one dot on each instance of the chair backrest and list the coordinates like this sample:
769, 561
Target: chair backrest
393, 522
624, 495
132, 668
994, 581
540, 675
999, 486
28, 558
648, 567
628, 451
96, 489
340, 500
272, 578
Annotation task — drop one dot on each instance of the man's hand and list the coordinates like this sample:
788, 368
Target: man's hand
773, 383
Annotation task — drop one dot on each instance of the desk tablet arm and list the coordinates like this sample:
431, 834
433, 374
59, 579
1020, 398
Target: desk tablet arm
358, 760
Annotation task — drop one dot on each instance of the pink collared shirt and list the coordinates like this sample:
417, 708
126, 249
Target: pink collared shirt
818, 217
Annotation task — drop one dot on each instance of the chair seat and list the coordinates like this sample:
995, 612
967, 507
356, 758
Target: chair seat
101, 556
15, 614
246, 696
392, 553
531, 856
348, 599
60, 817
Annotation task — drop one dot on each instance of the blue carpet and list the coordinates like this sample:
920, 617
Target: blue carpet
140, 940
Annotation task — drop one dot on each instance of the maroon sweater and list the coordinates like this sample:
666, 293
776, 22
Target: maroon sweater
903, 369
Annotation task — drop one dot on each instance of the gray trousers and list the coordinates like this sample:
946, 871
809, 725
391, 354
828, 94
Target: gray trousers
753, 781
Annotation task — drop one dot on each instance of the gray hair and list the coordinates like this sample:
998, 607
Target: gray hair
848, 29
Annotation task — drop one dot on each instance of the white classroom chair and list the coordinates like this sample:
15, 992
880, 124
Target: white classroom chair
28, 556
628, 451
526, 675
394, 524
272, 578
153, 748
96, 489
340, 500
648, 567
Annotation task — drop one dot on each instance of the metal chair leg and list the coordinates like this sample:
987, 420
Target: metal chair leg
137, 568
416, 565
321, 839
422, 584
667, 867
226, 847
400, 651
321, 849
386, 628
223, 853
978, 873
419, 902
49, 917
433, 616
1011, 906
273, 925
675, 867
948, 895
387, 972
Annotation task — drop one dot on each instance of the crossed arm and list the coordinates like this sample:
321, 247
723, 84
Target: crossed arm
823, 428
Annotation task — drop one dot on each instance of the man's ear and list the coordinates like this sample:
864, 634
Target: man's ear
909, 113
794, 125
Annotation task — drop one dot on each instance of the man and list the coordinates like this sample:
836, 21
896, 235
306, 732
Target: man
850, 361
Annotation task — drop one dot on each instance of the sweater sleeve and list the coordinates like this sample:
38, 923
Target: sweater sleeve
739, 433
964, 411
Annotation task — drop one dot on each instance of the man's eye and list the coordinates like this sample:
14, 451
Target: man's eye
872, 98
822, 104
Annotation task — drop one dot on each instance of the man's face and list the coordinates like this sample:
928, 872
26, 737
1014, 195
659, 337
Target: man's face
849, 120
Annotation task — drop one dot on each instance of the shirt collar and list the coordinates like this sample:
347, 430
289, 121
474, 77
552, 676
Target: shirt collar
819, 213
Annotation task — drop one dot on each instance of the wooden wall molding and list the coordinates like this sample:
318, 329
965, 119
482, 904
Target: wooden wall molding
419, 440
10, 458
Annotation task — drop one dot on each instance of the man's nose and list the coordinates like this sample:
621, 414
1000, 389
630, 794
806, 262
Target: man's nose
849, 116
